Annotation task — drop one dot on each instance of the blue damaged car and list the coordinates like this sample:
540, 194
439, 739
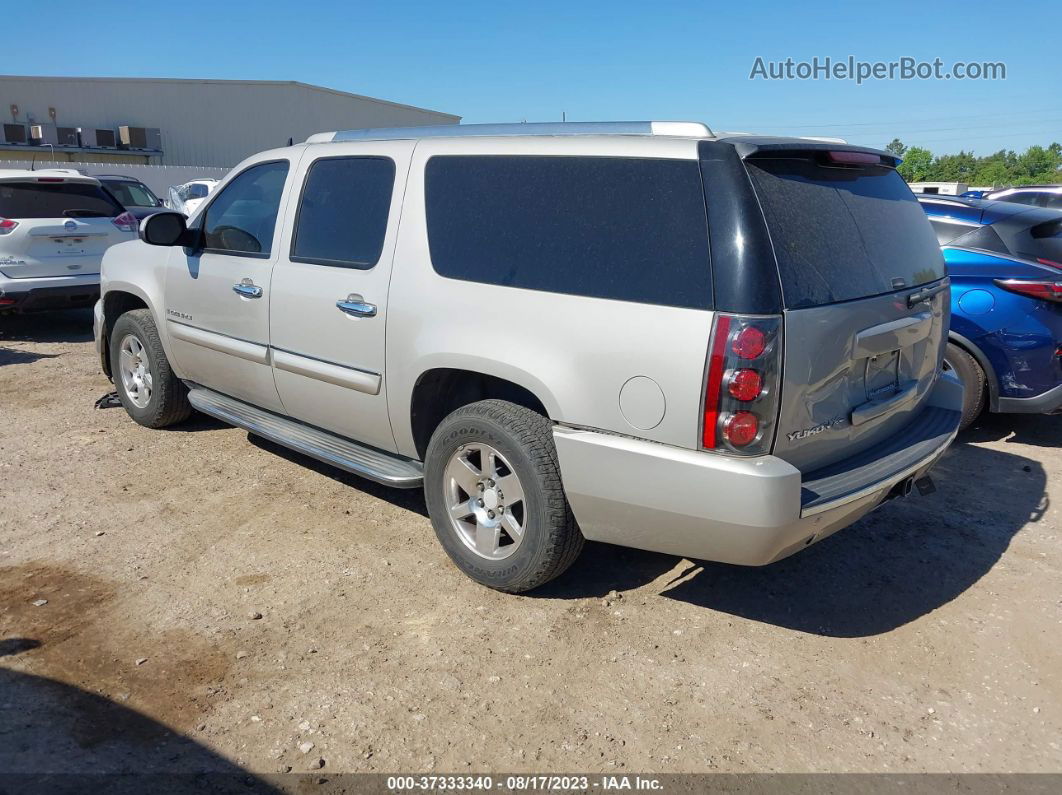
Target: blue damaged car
1005, 262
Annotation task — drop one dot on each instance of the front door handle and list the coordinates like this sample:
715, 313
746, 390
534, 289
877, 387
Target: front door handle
355, 305
247, 289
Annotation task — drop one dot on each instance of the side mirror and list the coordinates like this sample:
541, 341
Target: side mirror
164, 229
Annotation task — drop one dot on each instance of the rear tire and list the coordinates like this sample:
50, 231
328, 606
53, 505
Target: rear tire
147, 387
973, 380
494, 494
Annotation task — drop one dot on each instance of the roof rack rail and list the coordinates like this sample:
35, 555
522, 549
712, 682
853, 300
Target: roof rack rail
684, 129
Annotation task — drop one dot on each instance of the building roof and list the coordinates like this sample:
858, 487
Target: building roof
201, 81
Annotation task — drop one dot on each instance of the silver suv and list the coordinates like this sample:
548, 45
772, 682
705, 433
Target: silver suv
721, 347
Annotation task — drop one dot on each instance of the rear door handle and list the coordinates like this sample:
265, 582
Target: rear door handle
247, 289
356, 306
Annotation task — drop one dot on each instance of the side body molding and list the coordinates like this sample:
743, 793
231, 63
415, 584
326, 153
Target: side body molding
250, 351
340, 375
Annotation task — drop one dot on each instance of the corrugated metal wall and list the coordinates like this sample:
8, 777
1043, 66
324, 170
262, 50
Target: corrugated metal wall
204, 122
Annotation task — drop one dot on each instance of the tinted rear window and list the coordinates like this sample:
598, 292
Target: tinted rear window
621, 228
984, 237
1045, 242
131, 194
56, 200
843, 233
342, 218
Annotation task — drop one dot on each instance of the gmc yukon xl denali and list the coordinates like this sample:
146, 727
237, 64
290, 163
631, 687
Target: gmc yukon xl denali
725, 347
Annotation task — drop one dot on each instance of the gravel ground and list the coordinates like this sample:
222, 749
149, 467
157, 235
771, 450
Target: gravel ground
924, 638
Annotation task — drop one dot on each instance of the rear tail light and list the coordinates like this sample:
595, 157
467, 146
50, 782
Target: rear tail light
742, 384
1043, 290
1050, 262
126, 222
745, 384
7, 301
7, 226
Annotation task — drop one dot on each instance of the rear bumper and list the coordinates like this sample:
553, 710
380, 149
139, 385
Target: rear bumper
53, 292
750, 511
1049, 402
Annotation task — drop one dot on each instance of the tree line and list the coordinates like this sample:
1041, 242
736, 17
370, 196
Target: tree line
1037, 165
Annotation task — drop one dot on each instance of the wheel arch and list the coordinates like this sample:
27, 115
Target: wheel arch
984, 363
438, 391
116, 303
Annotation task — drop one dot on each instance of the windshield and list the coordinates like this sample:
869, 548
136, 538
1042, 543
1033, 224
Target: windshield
132, 194
841, 233
56, 200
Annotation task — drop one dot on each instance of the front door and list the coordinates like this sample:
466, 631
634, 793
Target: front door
217, 295
329, 289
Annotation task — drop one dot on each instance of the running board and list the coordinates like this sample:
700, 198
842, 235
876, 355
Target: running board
385, 468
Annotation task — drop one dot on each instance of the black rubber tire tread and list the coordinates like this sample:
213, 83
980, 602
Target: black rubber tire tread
973, 380
552, 540
169, 396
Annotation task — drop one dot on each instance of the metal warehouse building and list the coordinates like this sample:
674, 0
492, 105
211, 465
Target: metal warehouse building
178, 122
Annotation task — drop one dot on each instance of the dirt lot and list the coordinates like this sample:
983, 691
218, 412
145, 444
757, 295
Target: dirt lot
925, 638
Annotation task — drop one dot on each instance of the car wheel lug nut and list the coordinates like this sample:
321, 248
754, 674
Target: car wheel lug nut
490, 514
480, 503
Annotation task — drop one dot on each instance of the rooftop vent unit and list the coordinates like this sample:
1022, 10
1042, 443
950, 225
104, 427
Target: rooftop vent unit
44, 134
93, 138
147, 138
15, 134
68, 136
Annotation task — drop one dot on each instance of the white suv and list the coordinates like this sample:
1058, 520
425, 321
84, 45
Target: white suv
54, 227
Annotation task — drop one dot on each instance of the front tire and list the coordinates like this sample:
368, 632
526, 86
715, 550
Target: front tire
147, 387
972, 376
494, 494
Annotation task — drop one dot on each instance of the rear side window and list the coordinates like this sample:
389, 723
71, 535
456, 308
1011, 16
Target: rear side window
841, 233
342, 217
946, 231
983, 237
242, 218
132, 194
56, 200
621, 228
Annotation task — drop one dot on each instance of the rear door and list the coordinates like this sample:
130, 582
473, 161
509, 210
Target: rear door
63, 226
865, 296
330, 286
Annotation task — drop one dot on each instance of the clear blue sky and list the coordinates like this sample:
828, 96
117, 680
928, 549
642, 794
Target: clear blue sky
496, 61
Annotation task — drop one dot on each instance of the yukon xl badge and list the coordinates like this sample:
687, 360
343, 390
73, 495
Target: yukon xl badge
816, 429
181, 315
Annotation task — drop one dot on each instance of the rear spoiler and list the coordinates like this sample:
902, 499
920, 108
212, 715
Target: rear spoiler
751, 147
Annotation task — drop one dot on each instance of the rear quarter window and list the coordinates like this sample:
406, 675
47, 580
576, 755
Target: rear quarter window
842, 233
56, 200
629, 229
